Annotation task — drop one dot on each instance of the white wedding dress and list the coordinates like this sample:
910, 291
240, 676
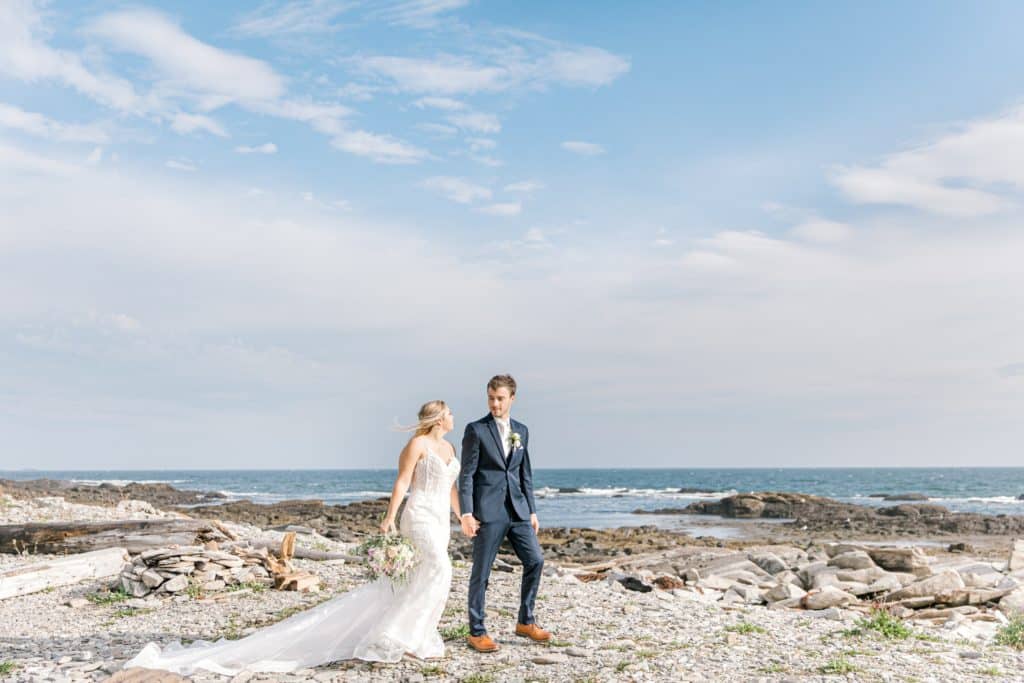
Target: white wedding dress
375, 622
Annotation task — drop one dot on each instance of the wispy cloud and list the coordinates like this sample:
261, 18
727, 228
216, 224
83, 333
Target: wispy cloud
963, 173
188, 123
443, 103
587, 149
457, 189
505, 209
437, 129
186, 62
419, 13
181, 165
477, 122
293, 17
265, 148
43, 126
380, 148
525, 186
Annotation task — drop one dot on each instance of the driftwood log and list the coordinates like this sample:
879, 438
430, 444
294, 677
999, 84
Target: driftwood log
62, 571
78, 537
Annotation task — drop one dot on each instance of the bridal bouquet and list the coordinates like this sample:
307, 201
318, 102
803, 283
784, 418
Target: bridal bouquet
388, 555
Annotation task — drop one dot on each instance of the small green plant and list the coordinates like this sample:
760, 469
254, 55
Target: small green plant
647, 654
744, 627
7, 668
233, 631
883, 623
478, 678
455, 632
774, 668
622, 666
559, 643
254, 586
432, 670
990, 671
1012, 634
839, 665
194, 591
107, 597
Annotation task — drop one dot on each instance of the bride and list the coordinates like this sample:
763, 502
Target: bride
377, 621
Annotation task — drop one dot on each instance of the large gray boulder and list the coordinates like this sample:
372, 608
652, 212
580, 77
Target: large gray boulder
829, 596
769, 562
1012, 604
784, 591
853, 559
911, 560
944, 582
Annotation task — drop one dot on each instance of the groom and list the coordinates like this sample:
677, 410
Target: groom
496, 495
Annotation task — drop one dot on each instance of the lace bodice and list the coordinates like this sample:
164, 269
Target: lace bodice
432, 480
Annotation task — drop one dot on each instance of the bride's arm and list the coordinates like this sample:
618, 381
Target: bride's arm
406, 464
455, 501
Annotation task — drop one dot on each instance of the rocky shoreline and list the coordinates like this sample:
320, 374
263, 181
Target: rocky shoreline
630, 604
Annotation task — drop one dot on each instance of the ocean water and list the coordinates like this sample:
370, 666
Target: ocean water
601, 498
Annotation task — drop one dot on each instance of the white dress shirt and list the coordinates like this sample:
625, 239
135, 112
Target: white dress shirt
505, 431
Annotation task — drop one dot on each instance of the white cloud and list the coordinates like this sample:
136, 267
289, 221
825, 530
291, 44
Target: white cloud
585, 66
437, 129
293, 17
181, 165
480, 144
383, 149
189, 123
442, 103
357, 91
15, 160
457, 189
95, 156
587, 149
964, 173
502, 209
445, 75
822, 231
23, 55
486, 160
186, 62
525, 186
265, 148
477, 122
420, 13
45, 127
509, 59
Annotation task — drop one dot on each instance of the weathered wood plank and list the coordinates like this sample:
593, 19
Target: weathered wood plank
63, 571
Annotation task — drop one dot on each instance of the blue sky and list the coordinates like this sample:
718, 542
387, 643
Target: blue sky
701, 234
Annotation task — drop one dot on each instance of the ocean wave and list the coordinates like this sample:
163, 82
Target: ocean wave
623, 491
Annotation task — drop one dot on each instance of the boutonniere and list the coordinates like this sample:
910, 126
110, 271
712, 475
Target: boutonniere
517, 441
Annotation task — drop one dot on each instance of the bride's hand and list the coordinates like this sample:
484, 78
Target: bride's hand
388, 527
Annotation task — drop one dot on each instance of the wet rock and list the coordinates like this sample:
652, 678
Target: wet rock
634, 584
905, 496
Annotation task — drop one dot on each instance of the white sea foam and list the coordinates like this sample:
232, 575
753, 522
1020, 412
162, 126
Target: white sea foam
622, 491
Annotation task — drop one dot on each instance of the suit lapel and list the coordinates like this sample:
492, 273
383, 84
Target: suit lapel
497, 440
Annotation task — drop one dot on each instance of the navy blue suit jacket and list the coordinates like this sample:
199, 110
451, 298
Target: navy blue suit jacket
487, 480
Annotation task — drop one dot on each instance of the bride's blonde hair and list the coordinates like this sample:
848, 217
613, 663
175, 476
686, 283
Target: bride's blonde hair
431, 414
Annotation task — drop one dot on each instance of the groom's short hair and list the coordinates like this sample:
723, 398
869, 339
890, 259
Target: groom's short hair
499, 381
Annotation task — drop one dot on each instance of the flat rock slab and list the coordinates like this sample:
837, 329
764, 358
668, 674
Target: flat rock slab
554, 658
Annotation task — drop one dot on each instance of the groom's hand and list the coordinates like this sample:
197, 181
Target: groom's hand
470, 525
535, 523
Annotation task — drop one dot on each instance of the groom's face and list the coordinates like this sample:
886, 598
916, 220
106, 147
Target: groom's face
500, 401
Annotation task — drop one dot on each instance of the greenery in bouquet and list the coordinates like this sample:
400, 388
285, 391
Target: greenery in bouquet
388, 555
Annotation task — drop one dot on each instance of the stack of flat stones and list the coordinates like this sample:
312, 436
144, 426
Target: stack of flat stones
172, 570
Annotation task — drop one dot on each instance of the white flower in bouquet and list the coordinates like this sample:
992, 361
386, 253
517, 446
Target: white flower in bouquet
388, 555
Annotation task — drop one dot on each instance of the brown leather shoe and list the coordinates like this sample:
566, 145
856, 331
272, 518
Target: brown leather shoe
533, 632
482, 643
